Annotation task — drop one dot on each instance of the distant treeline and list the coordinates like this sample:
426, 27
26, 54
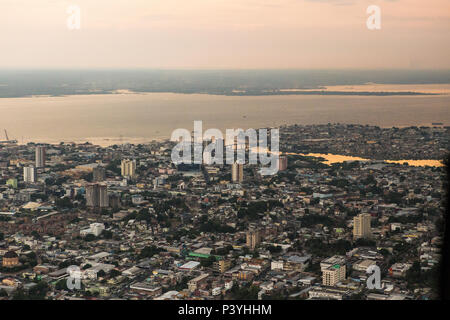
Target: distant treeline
22, 83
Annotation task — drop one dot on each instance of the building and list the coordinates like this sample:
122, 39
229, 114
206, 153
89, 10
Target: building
114, 200
40, 157
194, 283
244, 275
324, 264
92, 197
282, 163
103, 196
363, 265
253, 238
97, 195
98, 174
296, 263
128, 168
169, 295
137, 199
361, 226
399, 269
29, 174
97, 228
276, 265
332, 275
147, 289
12, 183
326, 293
94, 228
222, 265
189, 266
237, 172
10, 259
159, 181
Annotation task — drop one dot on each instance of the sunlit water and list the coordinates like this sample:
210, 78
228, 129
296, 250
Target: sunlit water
108, 119
334, 158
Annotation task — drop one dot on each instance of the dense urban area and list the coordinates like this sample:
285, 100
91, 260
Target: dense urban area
81, 221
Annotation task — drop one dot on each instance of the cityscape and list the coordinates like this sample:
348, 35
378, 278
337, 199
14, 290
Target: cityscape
81, 221
224, 158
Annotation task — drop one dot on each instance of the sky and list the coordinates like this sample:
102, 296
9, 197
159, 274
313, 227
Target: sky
225, 34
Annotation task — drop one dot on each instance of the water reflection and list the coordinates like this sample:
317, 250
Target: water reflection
335, 158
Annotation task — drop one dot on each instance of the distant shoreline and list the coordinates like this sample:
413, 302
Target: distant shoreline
252, 82
300, 92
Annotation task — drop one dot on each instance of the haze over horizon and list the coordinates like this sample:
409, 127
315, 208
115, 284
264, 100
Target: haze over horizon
220, 34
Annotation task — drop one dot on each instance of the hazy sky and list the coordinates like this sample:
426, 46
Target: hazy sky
225, 34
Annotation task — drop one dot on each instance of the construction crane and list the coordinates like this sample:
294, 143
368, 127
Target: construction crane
7, 141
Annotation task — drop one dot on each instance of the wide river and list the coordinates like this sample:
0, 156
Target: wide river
113, 118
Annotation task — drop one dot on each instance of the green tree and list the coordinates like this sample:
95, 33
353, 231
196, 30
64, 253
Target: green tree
101, 274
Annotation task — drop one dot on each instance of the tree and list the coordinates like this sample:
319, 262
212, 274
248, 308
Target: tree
274, 249
64, 203
115, 273
244, 293
107, 234
149, 252
101, 273
361, 242
61, 285
66, 263
90, 237
38, 292
35, 234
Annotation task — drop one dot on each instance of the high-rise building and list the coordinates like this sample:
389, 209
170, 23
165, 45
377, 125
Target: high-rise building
361, 226
97, 196
29, 174
253, 238
98, 174
40, 157
237, 172
128, 168
92, 195
282, 163
333, 274
103, 196
114, 200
